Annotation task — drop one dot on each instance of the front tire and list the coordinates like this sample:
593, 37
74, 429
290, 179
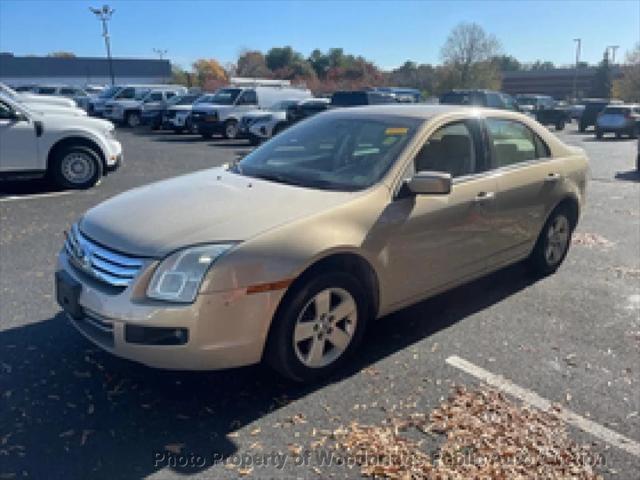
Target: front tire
76, 167
599, 134
553, 242
320, 323
560, 125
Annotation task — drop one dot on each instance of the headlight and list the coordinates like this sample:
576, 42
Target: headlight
179, 276
110, 134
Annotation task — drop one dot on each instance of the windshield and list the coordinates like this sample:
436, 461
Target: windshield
335, 153
225, 96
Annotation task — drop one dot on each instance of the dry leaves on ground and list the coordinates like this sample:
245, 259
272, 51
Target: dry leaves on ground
487, 436
590, 240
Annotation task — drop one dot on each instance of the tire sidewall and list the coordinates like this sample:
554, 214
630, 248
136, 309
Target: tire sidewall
59, 178
538, 260
131, 115
227, 124
280, 351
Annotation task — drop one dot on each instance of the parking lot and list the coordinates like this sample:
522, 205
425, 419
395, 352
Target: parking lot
572, 338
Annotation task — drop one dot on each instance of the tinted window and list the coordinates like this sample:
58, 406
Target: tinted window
67, 91
494, 100
46, 90
514, 142
126, 93
345, 99
6, 112
249, 97
617, 110
170, 94
154, 97
450, 149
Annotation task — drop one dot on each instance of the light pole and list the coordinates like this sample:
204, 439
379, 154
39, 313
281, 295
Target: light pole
160, 52
578, 42
104, 15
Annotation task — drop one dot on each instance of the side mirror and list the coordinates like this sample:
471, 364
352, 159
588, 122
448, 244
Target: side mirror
430, 183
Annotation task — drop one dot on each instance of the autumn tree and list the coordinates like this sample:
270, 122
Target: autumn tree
627, 87
209, 74
62, 54
602, 82
467, 55
251, 63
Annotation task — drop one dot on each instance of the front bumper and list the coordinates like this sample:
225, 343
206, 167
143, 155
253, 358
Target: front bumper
222, 329
113, 155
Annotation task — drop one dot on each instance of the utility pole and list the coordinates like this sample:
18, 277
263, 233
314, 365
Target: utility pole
104, 15
578, 42
160, 52
613, 49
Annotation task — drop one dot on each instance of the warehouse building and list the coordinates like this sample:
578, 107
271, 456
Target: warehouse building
80, 71
557, 82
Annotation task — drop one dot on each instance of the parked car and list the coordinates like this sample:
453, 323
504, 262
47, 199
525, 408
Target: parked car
72, 151
125, 108
78, 95
339, 220
177, 116
576, 111
592, 108
480, 98
354, 98
97, 102
618, 119
556, 115
31, 98
223, 113
261, 125
402, 94
155, 104
529, 103
46, 107
306, 108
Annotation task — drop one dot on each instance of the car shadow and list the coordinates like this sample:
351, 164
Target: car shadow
630, 176
27, 187
70, 410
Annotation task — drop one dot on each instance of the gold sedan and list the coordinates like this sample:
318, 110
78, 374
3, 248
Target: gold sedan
341, 219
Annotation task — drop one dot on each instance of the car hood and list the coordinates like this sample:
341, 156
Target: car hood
202, 207
47, 109
48, 99
64, 121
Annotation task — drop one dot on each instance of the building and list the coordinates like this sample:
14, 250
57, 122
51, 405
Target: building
557, 82
79, 71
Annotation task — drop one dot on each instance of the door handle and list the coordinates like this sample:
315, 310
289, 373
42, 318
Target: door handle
485, 197
552, 177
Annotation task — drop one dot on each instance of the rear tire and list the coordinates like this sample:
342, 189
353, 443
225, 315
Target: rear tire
599, 134
560, 125
582, 128
327, 308
553, 242
132, 119
230, 130
76, 167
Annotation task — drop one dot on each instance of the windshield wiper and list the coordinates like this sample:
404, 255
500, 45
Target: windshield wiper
278, 178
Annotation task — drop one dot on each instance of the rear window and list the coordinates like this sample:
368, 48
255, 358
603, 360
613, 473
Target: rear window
349, 98
616, 110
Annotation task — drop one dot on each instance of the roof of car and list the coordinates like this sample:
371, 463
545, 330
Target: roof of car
415, 110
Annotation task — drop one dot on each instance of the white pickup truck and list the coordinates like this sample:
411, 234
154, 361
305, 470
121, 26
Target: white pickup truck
72, 151
30, 98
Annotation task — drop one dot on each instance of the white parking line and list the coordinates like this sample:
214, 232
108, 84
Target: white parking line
541, 403
34, 196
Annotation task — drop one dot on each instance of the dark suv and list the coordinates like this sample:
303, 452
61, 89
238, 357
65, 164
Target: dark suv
481, 98
354, 98
592, 109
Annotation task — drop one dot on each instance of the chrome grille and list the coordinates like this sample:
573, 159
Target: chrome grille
112, 268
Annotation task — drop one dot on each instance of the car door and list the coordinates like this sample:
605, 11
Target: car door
246, 102
18, 142
529, 184
438, 240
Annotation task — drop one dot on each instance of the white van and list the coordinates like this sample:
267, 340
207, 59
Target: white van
222, 114
125, 106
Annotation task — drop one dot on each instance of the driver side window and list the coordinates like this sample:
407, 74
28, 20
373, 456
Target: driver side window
249, 97
450, 150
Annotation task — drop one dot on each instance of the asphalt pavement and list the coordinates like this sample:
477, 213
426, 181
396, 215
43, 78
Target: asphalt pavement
69, 410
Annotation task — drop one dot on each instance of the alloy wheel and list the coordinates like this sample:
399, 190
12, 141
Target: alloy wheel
557, 239
325, 327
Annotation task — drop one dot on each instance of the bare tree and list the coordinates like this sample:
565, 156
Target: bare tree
468, 52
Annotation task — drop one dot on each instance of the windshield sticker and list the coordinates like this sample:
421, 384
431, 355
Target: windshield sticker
396, 131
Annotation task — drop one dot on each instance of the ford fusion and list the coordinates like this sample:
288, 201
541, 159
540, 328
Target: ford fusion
287, 255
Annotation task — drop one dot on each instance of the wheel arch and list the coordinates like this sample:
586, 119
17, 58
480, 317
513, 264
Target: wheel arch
75, 140
571, 203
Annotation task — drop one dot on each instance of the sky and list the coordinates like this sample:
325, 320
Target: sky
386, 32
